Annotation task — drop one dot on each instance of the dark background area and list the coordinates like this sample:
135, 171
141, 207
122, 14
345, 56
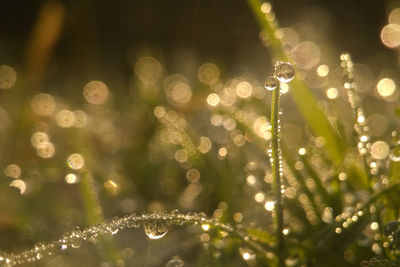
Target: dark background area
100, 38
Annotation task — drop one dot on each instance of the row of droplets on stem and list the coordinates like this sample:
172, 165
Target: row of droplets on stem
360, 126
155, 227
363, 145
283, 73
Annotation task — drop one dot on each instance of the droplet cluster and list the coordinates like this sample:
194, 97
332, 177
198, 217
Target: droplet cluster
284, 72
346, 219
392, 234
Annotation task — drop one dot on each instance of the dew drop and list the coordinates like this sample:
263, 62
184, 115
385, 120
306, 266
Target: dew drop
395, 154
394, 157
175, 262
136, 224
270, 83
114, 230
269, 205
75, 241
39, 246
156, 229
247, 254
286, 231
71, 239
205, 226
284, 72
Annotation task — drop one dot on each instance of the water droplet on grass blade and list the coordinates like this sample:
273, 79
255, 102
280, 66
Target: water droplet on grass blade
284, 72
175, 262
156, 229
270, 83
114, 230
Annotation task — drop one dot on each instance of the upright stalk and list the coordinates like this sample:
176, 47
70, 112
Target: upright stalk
283, 72
276, 164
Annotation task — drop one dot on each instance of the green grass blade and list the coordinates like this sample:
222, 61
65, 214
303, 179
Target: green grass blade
301, 94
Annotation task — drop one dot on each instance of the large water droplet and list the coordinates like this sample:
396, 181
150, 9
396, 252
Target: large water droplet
175, 262
270, 83
156, 229
284, 72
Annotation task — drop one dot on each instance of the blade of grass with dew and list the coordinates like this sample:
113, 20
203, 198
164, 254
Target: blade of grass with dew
262, 236
301, 94
297, 212
276, 175
324, 237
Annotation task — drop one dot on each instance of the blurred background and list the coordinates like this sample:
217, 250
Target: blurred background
110, 108
103, 39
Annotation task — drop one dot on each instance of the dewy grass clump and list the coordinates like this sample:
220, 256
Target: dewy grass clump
329, 195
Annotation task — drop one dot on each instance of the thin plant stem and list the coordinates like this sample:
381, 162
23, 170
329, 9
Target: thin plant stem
276, 175
92, 206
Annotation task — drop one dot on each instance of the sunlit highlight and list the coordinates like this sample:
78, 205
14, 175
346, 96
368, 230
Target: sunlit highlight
21, 185
71, 178
332, 93
269, 205
386, 87
13, 171
43, 104
96, 92
75, 161
390, 35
